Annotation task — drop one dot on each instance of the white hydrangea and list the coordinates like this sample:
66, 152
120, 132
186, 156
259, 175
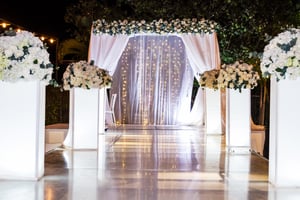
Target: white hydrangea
24, 57
84, 75
281, 57
238, 76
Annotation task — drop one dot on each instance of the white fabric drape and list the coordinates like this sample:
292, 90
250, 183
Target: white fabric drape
203, 53
105, 50
200, 53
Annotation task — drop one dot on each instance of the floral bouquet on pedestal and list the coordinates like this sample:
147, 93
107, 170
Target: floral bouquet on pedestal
235, 76
238, 76
281, 56
209, 79
85, 75
24, 57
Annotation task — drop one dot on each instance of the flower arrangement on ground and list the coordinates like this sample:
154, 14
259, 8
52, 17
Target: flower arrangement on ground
209, 79
85, 75
23, 56
281, 57
237, 76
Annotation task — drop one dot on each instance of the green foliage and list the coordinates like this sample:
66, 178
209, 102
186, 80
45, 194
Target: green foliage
57, 105
245, 25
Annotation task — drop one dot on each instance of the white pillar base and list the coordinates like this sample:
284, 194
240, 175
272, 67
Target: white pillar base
284, 163
238, 126
22, 130
213, 120
83, 122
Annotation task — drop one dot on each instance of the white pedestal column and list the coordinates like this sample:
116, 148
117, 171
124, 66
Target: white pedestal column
102, 108
213, 120
22, 130
87, 118
238, 127
284, 162
84, 118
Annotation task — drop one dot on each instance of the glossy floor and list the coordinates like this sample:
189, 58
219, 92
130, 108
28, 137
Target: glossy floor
153, 164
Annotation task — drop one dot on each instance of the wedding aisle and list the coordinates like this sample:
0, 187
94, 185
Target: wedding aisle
150, 163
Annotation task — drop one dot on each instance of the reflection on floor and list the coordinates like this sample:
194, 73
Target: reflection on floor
153, 164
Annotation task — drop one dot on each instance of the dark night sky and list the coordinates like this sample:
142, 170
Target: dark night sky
41, 17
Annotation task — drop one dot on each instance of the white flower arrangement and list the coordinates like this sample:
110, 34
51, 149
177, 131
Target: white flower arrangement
24, 57
101, 26
209, 79
281, 57
85, 75
238, 76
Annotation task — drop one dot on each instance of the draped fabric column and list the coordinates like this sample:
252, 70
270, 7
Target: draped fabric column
203, 53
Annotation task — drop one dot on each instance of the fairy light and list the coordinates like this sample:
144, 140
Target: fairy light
51, 40
124, 89
170, 56
4, 25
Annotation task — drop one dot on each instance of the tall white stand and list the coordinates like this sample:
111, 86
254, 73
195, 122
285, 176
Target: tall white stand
284, 162
101, 135
83, 122
22, 130
102, 108
238, 125
87, 118
213, 111
238, 140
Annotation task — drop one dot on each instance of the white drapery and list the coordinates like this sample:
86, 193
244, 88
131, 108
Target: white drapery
105, 50
153, 74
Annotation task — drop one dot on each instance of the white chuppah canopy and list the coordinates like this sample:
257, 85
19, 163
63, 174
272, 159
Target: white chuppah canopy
155, 73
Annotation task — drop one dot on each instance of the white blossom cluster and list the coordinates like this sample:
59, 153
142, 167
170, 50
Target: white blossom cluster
125, 27
24, 57
85, 75
281, 57
237, 76
209, 79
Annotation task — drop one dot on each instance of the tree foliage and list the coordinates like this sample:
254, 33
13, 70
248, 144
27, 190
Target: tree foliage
246, 26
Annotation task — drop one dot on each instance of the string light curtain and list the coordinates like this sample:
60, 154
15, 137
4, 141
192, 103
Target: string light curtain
153, 80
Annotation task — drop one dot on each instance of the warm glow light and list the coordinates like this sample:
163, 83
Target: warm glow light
49, 193
51, 40
4, 25
42, 38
